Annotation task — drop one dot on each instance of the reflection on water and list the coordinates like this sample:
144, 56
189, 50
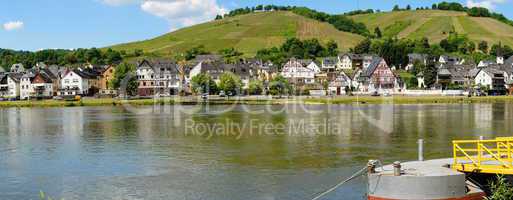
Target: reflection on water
249, 152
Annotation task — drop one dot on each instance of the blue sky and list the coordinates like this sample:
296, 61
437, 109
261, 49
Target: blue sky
42, 24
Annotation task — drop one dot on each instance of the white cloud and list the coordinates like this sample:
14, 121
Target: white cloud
490, 4
14, 25
181, 13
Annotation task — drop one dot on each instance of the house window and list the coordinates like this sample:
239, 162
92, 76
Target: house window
75, 80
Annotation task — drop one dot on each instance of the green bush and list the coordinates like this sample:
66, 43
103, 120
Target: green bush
501, 190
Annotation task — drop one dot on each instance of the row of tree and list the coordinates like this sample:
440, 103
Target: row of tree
395, 51
64, 57
454, 6
301, 49
341, 22
231, 84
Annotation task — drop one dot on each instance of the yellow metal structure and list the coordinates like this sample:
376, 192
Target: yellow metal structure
484, 156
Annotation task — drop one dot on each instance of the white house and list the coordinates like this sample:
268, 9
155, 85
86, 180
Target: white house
491, 78
10, 85
42, 86
314, 67
76, 82
450, 60
345, 61
38, 85
26, 85
338, 86
297, 73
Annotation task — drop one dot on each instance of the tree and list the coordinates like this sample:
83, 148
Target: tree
396, 8
230, 55
255, 87
195, 51
332, 48
434, 7
138, 52
219, 17
471, 47
280, 86
203, 83
430, 73
408, 7
230, 83
362, 47
483, 46
377, 32
124, 77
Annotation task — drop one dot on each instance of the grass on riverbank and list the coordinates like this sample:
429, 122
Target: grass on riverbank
263, 101
410, 100
83, 102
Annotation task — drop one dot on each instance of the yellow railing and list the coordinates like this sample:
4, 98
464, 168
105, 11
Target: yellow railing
484, 156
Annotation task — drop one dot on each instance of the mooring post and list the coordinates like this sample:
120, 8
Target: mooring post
421, 149
397, 168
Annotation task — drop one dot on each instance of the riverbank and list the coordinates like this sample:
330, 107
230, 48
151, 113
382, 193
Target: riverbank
263, 101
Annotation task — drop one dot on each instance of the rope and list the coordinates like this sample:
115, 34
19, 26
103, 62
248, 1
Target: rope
358, 173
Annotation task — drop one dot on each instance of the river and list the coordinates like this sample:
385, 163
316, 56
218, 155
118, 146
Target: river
223, 152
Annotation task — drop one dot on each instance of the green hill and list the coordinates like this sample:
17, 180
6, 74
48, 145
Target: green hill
436, 25
247, 33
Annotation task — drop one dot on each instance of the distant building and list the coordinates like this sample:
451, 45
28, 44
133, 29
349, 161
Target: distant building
297, 73
377, 77
158, 77
17, 68
10, 85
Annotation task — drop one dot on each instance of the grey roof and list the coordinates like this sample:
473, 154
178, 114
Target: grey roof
509, 61
372, 67
45, 77
3, 79
15, 76
159, 65
493, 70
329, 61
208, 57
87, 74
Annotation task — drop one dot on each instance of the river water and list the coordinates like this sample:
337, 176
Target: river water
223, 152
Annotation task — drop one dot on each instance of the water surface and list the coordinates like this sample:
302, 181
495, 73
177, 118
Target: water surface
158, 153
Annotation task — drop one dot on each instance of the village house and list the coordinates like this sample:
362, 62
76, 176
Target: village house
79, 81
26, 85
54, 73
17, 68
106, 76
450, 60
314, 66
36, 85
329, 64
377, 77
10, 85
297, 73
341, 83
349, 61
490, 77
158, 77
414, 58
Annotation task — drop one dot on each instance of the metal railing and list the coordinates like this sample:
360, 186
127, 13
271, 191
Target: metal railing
484, 156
